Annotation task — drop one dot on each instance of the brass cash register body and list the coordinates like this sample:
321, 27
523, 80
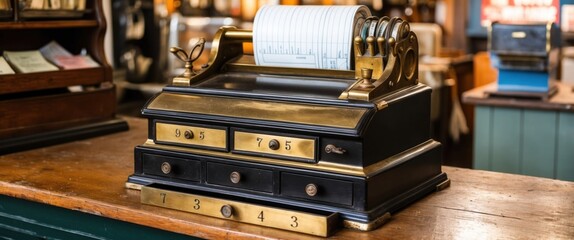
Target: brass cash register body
298, 149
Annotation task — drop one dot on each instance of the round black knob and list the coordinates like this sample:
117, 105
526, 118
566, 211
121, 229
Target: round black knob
274, 144
188, 134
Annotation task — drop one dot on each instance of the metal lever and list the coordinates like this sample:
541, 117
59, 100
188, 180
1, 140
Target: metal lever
330, 148
189, 59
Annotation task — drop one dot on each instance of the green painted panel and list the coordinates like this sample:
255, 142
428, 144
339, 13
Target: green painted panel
539, 143
506, 136
565, 149
482, 133
31, 220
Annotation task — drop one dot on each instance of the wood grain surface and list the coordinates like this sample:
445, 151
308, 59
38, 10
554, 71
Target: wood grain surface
89, 176
563, 100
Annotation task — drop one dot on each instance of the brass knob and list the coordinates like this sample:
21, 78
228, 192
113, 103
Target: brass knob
188, 134
226, 211
165, 167
274, 144
235, 177
311, 189
366, 75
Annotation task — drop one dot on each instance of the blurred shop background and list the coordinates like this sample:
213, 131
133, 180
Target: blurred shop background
452, 36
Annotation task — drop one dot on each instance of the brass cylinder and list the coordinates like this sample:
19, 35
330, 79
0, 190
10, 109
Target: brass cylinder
239, 34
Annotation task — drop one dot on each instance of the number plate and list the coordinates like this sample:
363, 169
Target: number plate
309, 223
191, 135
276, 145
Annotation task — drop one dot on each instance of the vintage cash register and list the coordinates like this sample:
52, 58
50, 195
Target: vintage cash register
526, 56
265, 139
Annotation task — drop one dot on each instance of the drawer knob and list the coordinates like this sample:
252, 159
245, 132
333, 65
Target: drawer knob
235, 177
226, 211
274, 144
165, 168
330, 148
188, 134
311, 189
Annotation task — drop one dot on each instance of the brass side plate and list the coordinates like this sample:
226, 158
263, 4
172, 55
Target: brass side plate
274, 145
190, 135
297, 221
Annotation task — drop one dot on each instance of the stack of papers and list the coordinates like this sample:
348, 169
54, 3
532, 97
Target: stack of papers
51, 57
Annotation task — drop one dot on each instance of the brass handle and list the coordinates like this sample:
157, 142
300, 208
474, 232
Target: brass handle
330, 148
235, 177
274, 144
226, 211
165, 168
311, 189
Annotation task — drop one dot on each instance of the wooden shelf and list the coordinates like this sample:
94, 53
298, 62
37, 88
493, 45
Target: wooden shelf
55, 24
37, 108
22, 82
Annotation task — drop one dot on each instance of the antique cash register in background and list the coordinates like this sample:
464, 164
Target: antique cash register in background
324, 125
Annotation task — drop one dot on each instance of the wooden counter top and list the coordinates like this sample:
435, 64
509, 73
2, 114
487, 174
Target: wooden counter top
563, 100
89, 176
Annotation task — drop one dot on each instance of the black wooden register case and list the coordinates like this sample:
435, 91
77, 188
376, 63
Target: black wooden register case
304, 150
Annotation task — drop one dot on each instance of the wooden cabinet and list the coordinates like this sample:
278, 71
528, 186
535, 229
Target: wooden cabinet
524, 136
38, 108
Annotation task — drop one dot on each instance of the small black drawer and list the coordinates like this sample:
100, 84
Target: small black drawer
240, 177
171, 167
317, 189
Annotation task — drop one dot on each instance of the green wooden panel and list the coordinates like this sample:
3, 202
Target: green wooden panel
565, 149
539, 143
21, 219
482, 137
506, 136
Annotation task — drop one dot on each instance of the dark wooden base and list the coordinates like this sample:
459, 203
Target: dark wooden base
48, 138
408, 180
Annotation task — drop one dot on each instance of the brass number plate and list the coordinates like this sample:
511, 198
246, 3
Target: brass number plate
315, 224
191, 135
278, 145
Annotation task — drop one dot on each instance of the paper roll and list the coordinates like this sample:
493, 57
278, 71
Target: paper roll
307, 36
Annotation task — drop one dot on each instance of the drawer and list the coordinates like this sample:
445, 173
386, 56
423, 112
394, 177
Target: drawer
317, 189
191, 135
240, 177
171, 167
297, 148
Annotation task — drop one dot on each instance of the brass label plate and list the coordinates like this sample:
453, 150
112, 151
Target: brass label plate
286, 146
309, 223
190, 135
320, 115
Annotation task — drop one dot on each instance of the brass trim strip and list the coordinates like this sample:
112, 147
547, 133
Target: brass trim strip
191, 135
319, 115
366, 172
246, 63
133, 186
297, 221
286, 146
367, 226
443, 185
397, 159
334, 168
